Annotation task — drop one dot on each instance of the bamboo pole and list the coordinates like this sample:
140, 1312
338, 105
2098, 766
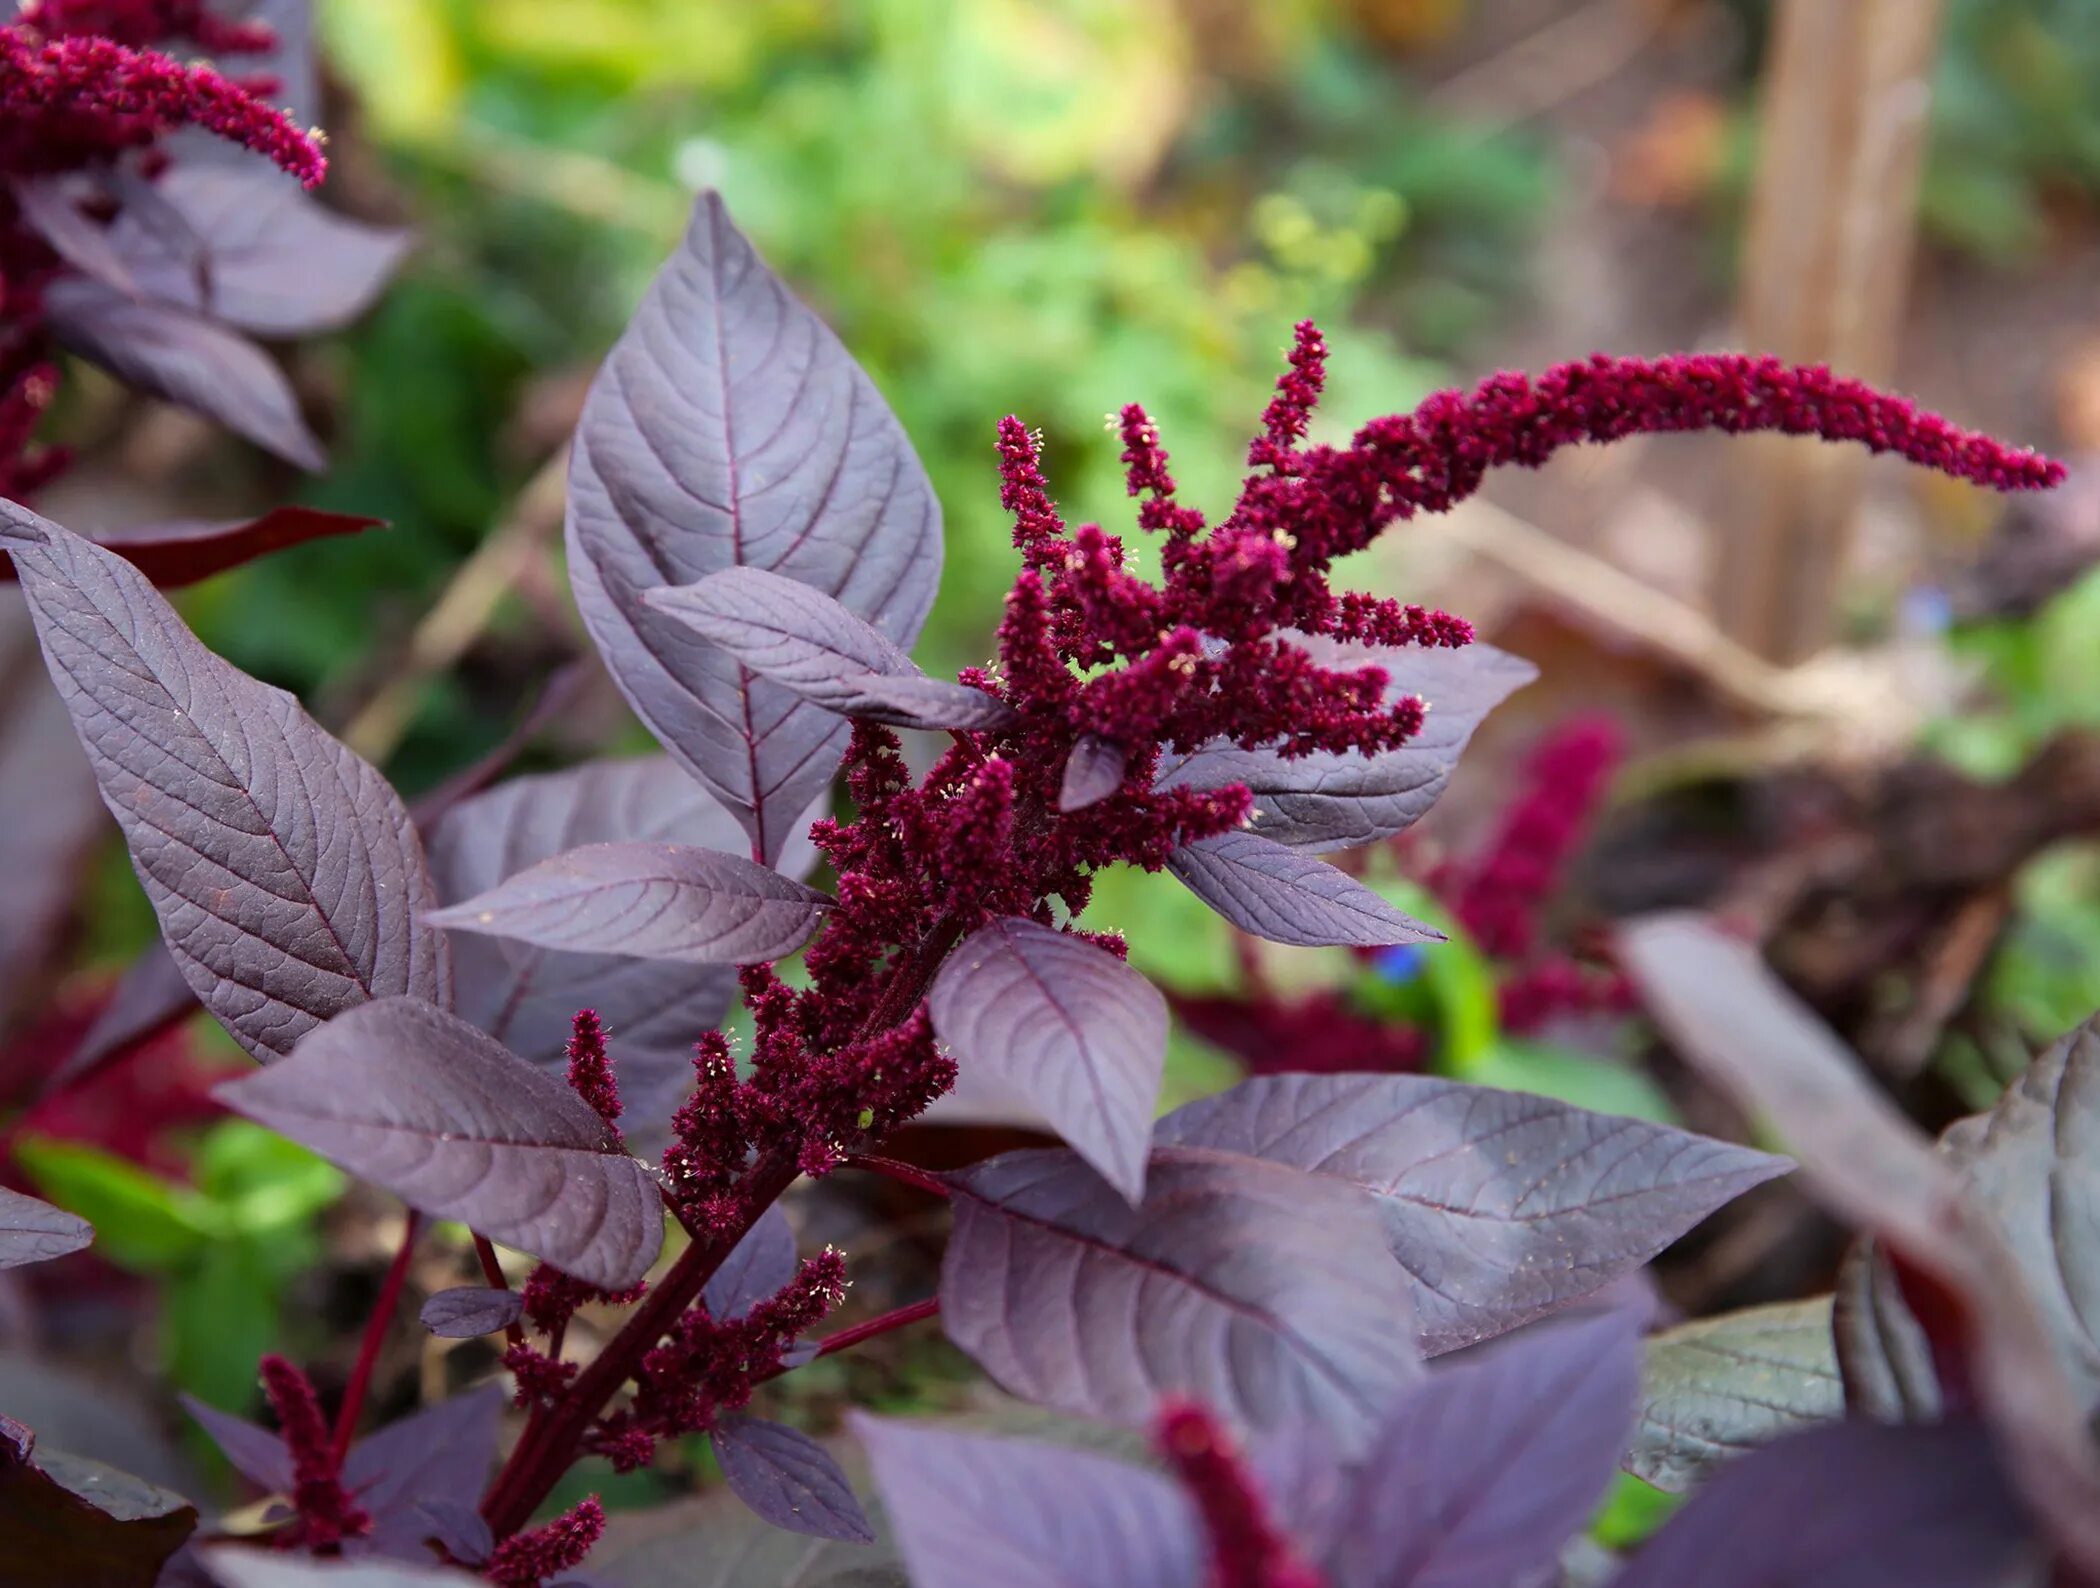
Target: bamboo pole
1826, 262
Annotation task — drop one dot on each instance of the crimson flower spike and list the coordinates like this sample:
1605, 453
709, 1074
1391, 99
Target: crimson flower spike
61, 97
1247, 1548
1437, 456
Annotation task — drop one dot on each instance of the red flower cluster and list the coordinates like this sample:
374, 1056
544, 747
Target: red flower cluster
80, 90
323, 1512
526, 1560
1248, 1549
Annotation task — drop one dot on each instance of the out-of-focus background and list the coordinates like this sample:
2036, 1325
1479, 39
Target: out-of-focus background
1854, 704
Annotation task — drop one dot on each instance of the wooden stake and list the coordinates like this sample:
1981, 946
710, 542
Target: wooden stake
1826, 263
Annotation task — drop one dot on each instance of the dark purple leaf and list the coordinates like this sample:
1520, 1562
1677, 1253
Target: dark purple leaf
1331, 800
728, 428
150, 996
1484, 1469
256, 1453
802, 639
237, 1566
172, 353
1501, 1206
66, 1520
286, 874
789, 1479
560, 691
1093, 771
1716, 1387
1727, 1014
52, 206
757, 1267
1851, 1505
970, 1511
35, 1232
523, 995
267, 257
54, 823
1066, 1028
439, 1456
177, 554
1263, 1292
419, 1102
652, 900
1287, 896
459, 1528
470, 1311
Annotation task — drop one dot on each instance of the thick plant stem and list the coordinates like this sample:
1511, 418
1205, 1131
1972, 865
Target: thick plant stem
538, 1462
554, 1435
375, 1334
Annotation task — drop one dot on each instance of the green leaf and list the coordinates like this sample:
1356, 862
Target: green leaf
143, 1223
264, 1183
1632, 1510
218, 1318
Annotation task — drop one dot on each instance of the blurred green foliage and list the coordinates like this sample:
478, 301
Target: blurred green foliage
221, 1250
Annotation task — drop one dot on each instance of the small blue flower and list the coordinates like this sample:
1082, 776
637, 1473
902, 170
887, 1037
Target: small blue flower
1400, 964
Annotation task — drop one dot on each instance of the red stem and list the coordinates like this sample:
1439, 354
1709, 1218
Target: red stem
896, 1318
903, 1173
554, 1434
375, 1333
492, 1271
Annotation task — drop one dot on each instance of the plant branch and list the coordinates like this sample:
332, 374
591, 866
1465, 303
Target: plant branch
383, 1310
901, 1172
895, 1318
492, 1271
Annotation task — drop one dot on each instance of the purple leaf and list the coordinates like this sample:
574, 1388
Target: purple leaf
66, 1520
267, 258
256, 1453
419, 1102
1742, 1028
757, 1267
525, 996
1263, 1292
177, 554
238, 1566
36, 1232
1716, 1387
2032, 1163
801, 638
1484, 1469
286, 874
789, 1479
653, 900
1093, 771
52, 206
470, 1311
54, 823
172, 353
1501, 1206
971, 1511
459, 1528
1851, 1505
1330, 800
727, 429
1287, 896
439, 1456
1066, 1028
150, 996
